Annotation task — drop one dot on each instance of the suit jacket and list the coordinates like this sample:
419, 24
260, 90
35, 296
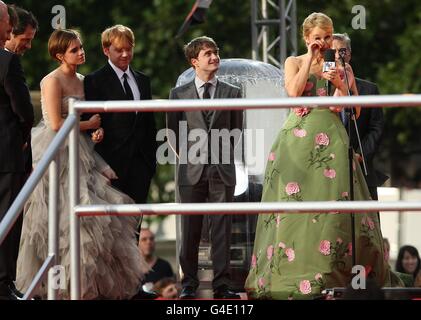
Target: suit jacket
370, 126
190, 173
127, 128
16, 113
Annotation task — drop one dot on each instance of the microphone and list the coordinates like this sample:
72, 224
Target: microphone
329, 58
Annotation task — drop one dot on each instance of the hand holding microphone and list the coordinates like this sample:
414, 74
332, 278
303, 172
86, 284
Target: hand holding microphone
330, 71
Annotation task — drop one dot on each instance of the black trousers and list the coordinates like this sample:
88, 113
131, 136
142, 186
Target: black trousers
134, 176
10, 185
210, 188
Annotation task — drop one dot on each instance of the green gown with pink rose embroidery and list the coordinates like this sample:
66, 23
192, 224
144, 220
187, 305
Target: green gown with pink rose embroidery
296, 256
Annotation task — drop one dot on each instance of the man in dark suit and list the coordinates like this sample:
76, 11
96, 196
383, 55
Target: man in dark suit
370, 123
129, 139
207, 174
20, 42
16, 120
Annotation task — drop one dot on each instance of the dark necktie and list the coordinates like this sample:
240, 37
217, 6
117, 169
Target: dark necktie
206, 95
127, 89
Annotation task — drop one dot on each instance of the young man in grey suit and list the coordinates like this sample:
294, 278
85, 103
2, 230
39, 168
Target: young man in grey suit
370, 123
208, 174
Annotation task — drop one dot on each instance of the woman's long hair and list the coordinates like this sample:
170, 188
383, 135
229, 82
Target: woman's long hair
413, 252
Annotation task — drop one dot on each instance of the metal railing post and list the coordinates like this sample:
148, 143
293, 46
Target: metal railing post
53, 224
75, 281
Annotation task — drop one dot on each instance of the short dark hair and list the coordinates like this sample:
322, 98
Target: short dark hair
192, 49
60, 40
25, 19
13, 16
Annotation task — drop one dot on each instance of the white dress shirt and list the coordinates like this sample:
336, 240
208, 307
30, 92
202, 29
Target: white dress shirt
199, 83
130, 79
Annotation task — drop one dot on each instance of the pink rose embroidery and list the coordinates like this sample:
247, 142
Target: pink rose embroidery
339, 240
329, 173
370, 223
318, 276
300, 133
261, 283
301, 112
322, 139
341, 74
281, 245
345, 194
253, 261
309, 86
305, 287
290, 253
292, 188
278, 220
324, 247
272, 156
322, 92
269, 252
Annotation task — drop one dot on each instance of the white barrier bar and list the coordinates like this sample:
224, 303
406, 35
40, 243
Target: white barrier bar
48, 263
75, 279
53, 222
240, 104
227, 208
247, 208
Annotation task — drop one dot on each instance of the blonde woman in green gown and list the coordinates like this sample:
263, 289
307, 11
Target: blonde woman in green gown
296, 256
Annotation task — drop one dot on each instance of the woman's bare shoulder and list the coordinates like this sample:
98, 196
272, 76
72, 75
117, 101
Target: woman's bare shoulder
51, 79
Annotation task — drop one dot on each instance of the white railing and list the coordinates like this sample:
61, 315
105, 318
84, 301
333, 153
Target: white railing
244, 208
72, 125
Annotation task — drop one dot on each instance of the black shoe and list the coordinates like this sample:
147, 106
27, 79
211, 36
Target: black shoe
188, 293
15, 291
7, 292
224, 293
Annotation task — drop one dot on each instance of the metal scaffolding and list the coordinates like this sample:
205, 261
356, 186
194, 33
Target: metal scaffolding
274, 30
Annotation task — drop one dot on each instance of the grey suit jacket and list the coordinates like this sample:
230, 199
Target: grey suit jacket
190, 165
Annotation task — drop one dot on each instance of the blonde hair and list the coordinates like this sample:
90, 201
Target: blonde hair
316, 19
60, 40
119, 33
